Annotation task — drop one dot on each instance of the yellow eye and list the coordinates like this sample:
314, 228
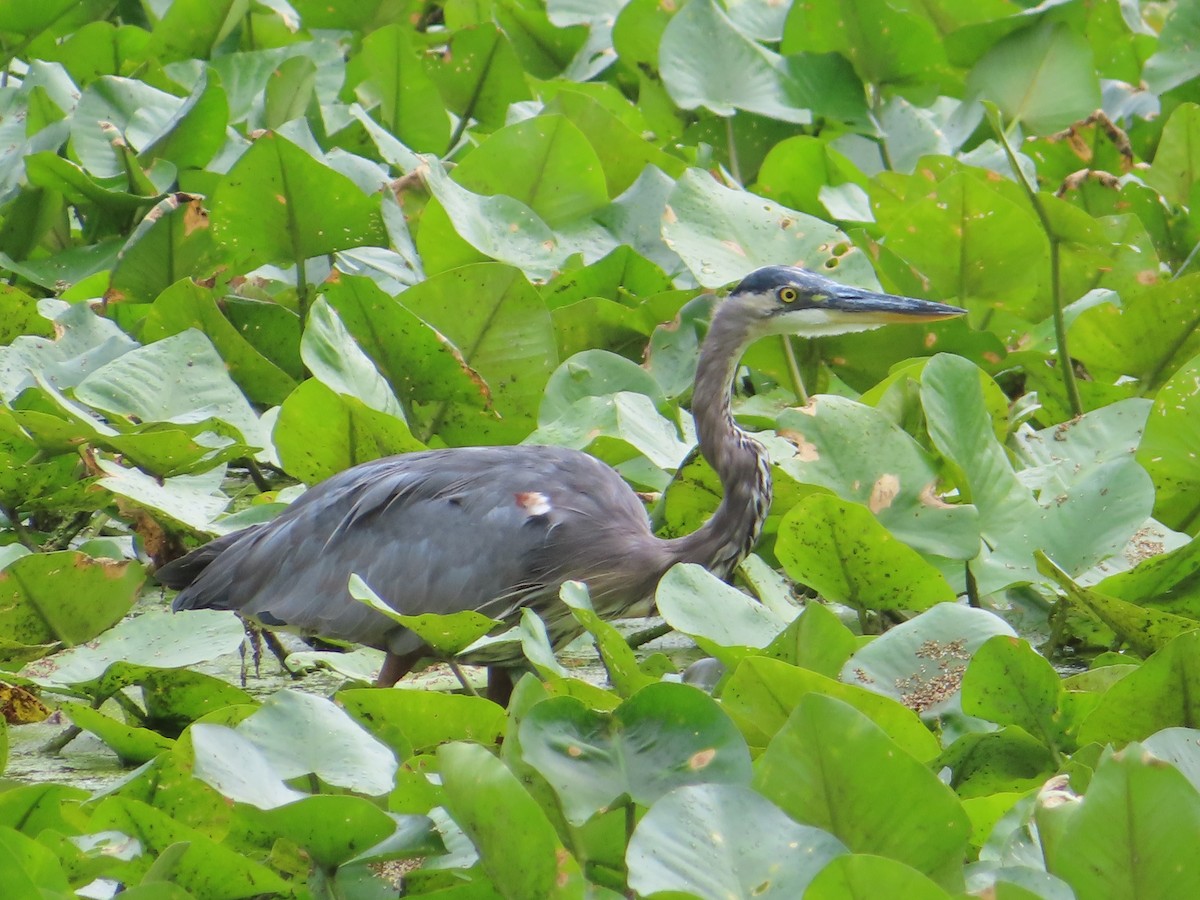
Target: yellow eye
788, 294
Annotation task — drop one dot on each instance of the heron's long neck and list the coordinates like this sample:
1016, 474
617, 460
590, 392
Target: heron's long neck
739, 460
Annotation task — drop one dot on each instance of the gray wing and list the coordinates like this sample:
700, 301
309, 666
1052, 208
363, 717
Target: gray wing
470, 528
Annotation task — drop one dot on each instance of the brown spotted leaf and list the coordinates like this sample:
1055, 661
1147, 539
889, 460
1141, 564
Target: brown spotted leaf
65, 596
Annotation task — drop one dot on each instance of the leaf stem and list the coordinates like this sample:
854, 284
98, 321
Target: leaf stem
650, 634
57, 743
1153, 381
19, 528
972, 587
1066, 368
1186, 262
66, 532
735, 168
462, 677
469, 110
1057, 620
794, 370
256, 474
301, 291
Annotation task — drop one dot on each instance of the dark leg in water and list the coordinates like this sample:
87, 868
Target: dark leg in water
396, 667
500, 684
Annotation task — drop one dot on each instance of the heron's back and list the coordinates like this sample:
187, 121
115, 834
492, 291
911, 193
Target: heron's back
489, 529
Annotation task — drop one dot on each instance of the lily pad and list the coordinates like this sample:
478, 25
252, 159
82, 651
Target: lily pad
720, 618
813, 769
724, 840
922, 662
447, 634
518, 848
723, 234
279, 205
843, 552
346, 755
1139, 811
664, 736
65, 596
138, 646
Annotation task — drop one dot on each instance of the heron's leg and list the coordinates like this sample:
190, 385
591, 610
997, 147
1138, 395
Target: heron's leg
500, 684
396, 667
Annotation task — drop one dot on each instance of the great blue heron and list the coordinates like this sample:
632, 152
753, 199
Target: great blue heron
495, 529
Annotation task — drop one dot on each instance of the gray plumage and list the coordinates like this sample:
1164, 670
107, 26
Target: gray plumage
496, 529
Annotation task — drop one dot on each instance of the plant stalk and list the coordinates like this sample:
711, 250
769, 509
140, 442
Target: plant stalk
794, 370
462, 677
735, 168
1065, 365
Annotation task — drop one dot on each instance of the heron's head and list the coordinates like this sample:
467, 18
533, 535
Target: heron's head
787, 300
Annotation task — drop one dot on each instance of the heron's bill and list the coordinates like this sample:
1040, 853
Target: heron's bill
885, 308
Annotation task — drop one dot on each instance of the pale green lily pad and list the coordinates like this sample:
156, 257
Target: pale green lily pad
717, 841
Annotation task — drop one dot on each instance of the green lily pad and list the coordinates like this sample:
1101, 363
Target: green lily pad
663, 737
132, 744
986, 764
332, 829
813, 769
33, 868
1009, 683
171, 243
706, 61
65, 596
201, 865
518, 848
816, 640
723, 234
1179, 747
238, 769
861, 876
337, 362
480, 76
194, 501
1130, 836
320, 432
279, 205
618, 657
1144, 629
420, 721
844, 553
505, 334
859, 453
1158, 694
1166, 450
447, 634
722, 620
137, 649
762, 693
183, 305
1043, 76
424, 368
922, 662
346, 755
724, 840
181, 378
1092, 520
408, 103
83, 343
